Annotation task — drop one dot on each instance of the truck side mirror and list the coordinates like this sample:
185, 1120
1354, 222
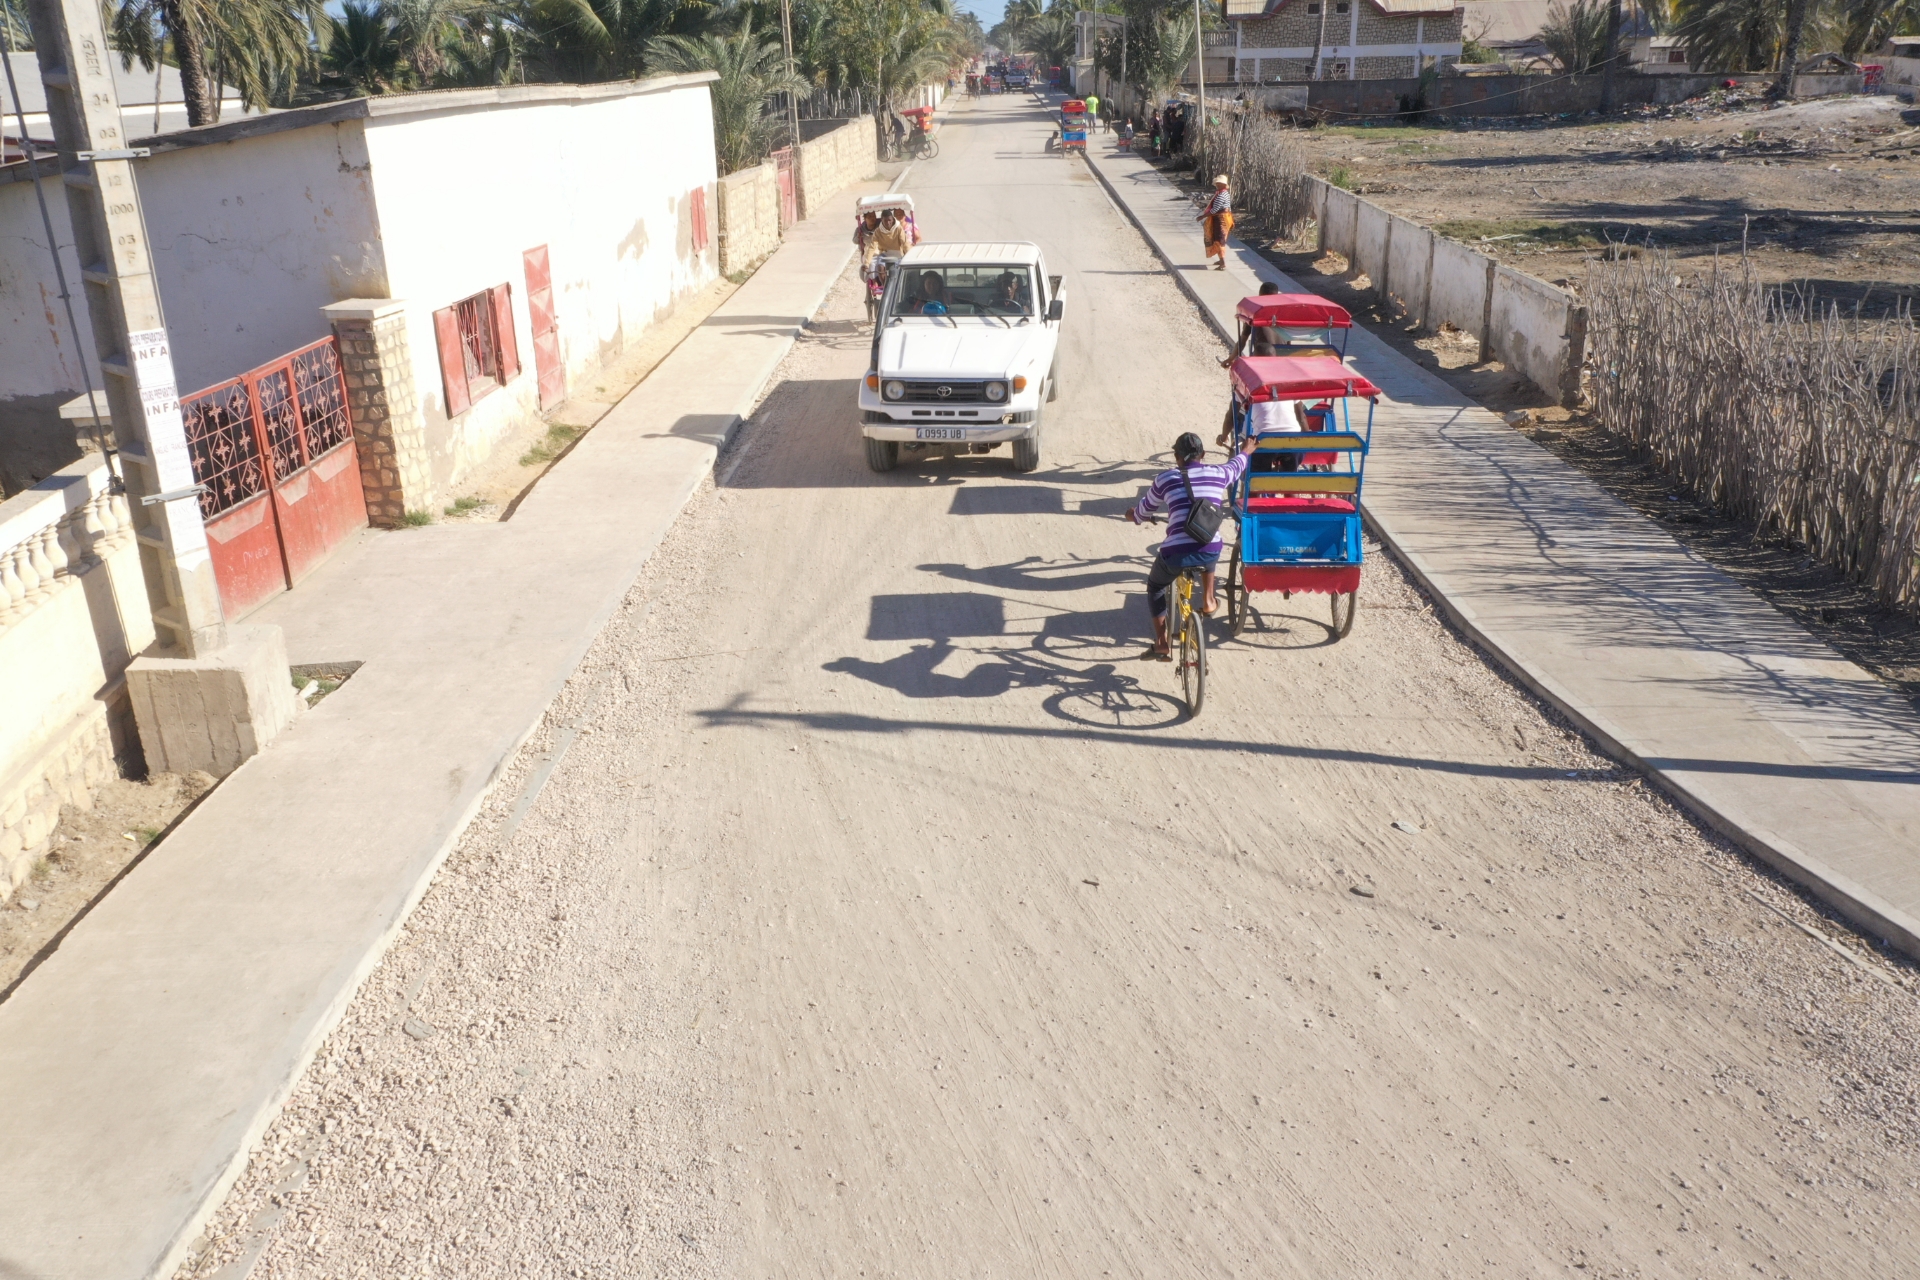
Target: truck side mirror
1056, 308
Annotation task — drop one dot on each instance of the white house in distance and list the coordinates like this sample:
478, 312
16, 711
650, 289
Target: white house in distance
1364, 39
150, 101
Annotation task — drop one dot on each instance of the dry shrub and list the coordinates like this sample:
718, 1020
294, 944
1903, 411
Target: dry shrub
1268, 170
1776, 408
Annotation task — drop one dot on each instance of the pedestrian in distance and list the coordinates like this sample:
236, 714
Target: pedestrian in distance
1093, 106
1217, 222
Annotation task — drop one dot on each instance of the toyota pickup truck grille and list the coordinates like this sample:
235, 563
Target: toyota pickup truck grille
945, 392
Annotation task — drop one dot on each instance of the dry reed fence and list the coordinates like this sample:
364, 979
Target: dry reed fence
1269, 172
1774, 407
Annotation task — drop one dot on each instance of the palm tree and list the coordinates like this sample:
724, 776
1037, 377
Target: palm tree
891, 47
1729, 35
362, 49
427, 31
1576, 34
580, 41
752, 69
258, 45
1159, 49
1052, 36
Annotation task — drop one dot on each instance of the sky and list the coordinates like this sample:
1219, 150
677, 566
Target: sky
988, 11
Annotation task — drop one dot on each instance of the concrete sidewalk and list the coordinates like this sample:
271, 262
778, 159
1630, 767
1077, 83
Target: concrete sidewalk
141, 1061
1801, 757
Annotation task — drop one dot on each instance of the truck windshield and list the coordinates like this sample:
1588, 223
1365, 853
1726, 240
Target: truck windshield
971, 290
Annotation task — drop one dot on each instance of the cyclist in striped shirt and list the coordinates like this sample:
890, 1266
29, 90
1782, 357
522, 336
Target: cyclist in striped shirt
1174, 492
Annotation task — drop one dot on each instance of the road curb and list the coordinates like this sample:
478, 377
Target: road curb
1865, 910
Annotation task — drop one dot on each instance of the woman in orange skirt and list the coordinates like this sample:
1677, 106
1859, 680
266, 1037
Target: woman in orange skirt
1218, 220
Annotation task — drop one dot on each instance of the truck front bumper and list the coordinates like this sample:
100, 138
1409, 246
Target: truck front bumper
947, 430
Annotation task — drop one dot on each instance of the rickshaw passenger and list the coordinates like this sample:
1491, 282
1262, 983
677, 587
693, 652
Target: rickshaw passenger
1174, 491
933, 294
1256, 334
891, 236
863, 235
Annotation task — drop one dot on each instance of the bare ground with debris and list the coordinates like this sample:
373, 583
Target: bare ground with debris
91, 848
1821, 192
886, 918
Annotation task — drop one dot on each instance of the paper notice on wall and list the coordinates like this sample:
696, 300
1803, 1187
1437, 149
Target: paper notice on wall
166, 432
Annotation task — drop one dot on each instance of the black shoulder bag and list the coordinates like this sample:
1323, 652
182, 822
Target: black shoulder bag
1203, 514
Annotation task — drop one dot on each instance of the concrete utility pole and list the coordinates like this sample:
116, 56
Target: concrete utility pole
793, 101
129, 332
1200, 75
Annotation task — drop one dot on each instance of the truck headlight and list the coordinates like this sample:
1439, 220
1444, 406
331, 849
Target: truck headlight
996, 391
896, 390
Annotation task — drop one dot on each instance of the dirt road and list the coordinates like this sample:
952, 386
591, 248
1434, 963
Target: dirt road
884, 918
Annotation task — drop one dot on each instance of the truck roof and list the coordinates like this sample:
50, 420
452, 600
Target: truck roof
984, 252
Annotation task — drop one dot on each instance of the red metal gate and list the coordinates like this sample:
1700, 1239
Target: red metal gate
275, 449
783, 178
551, 373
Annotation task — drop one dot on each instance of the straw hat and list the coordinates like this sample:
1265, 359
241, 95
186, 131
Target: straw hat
1220, 180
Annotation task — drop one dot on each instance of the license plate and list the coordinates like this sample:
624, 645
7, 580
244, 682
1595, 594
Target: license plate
939, 433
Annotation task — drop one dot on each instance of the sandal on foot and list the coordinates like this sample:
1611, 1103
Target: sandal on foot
1157, 655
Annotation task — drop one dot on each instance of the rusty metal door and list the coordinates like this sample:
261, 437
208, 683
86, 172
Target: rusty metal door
275, 449
783, 178
547, 367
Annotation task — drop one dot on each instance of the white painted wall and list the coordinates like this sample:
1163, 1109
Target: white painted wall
605, 184
253, 235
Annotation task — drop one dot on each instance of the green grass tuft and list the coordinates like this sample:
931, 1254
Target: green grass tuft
1530, 231
1341, 177
559, 436
415, 519
462, 505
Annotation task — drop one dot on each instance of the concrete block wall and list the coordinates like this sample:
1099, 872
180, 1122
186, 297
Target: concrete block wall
1529, 325
1409, 265
834, 161
384, 405
749, 217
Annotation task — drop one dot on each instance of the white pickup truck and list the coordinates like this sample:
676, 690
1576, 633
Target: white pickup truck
963, 354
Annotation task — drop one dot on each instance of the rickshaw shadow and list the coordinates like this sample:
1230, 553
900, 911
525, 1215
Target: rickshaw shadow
1282, 626
1036, 574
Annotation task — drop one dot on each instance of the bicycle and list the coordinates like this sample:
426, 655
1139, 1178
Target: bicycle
920, 146
1187, 633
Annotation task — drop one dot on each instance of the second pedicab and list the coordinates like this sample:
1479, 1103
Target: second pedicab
877, 267
1298, 506
1296, 324
1073, 126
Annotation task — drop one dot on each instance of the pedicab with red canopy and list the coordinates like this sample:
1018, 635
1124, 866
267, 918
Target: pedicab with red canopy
1304, 324
1073, 126
1299, 526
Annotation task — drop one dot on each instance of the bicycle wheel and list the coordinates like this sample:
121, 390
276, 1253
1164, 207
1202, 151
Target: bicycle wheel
1343, 619
1238, 603
1193, 652
931, 150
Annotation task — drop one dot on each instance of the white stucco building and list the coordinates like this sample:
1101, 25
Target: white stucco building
442, 207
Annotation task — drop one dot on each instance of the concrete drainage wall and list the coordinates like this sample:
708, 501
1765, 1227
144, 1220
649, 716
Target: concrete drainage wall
1527, 324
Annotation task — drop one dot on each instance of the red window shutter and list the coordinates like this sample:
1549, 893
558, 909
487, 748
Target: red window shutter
698, 211
453, 362
502, 298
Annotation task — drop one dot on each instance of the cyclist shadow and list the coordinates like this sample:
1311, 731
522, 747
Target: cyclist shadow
1100, 694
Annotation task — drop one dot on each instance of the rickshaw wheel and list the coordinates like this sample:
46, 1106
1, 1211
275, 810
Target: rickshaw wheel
1343, 621
873, 309
1237, 601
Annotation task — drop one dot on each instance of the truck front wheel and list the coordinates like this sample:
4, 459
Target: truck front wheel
1026, 453
883, 455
